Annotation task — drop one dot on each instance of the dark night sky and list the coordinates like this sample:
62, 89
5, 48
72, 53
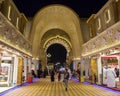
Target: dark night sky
84, 8
58, 53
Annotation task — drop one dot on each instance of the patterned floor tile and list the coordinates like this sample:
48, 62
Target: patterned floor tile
44, 87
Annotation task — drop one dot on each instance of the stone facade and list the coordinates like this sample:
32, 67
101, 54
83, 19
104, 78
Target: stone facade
106, 27
11, 28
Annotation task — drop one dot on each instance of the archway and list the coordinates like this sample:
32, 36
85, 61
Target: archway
56, 55
52, 18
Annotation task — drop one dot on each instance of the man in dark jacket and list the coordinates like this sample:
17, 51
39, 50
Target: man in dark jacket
66, 78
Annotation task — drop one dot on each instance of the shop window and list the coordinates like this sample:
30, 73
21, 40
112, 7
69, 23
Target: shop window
107, 16
98, 23
9, 11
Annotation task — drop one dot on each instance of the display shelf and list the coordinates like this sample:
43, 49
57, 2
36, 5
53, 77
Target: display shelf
4, 73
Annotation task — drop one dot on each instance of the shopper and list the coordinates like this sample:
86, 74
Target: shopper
66, 78
52, 75
59, 75
110, 77
117, 72
95, 78
33, 73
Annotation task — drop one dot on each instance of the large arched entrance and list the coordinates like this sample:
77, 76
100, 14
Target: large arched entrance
58, 53
56, 56
56, 24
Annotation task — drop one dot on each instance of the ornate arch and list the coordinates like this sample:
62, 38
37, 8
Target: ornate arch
60, 40
56, 17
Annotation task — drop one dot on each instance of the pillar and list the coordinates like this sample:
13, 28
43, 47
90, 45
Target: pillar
75, 63
87, 67
99, 66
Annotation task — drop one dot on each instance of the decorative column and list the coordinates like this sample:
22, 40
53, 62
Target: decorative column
44, 61
25, 67
35, 62
87, 67
75, 63
82, 66
118, 83
99, 64
29, 64
67, 60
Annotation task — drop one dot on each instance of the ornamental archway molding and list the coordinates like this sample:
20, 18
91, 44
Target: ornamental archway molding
57, 40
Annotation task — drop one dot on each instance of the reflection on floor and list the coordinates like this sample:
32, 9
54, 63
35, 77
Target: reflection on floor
44, 87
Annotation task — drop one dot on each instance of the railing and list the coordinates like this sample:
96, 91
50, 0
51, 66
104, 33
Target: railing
11, 36
107, 39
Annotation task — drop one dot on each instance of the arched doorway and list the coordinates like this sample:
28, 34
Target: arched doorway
56, 55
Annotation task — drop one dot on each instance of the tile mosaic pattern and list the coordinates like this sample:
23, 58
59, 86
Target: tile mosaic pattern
44, 87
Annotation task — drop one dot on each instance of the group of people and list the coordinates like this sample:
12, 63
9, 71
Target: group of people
62, 75
40, 73
59, 74
110, 76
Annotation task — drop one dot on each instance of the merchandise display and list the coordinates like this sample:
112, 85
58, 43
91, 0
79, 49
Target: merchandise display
4, 73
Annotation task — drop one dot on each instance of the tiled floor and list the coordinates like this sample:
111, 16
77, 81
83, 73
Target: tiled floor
4, 88
44, 87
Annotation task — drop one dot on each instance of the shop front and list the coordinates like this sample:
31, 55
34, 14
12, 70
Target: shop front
105, 47
12, 66
9, 60
6, 74
110, 70
104, 69
98, 67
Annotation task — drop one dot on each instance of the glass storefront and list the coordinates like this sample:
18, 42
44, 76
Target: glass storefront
8, 66
6, 71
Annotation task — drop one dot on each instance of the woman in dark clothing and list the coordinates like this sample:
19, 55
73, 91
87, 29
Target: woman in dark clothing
117, 72
33, 73
45, 73
52, 76
95, 78
59, 76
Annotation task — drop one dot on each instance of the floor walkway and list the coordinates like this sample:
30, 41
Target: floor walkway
44, 87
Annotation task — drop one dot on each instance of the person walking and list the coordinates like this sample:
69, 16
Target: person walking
66, 78
52, 76
95, 78
59, 75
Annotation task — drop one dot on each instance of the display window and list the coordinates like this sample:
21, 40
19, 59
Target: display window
110, 70
11, 63
6, 74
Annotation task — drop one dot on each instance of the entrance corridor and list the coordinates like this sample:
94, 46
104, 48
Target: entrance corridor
44, 87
